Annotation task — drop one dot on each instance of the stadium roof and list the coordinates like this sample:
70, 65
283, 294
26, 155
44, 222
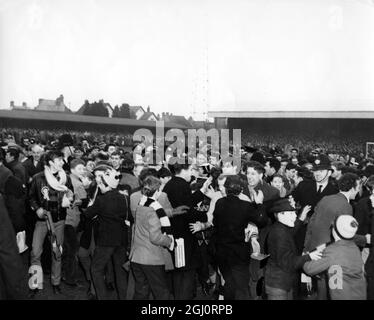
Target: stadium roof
294, 114
71, 117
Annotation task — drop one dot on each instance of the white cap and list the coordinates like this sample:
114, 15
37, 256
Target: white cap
346, 226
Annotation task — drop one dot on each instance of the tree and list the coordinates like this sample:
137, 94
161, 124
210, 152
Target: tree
124, 111
96, 109
86, 106
116, 112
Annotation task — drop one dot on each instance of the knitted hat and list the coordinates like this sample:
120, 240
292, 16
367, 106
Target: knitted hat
345, 226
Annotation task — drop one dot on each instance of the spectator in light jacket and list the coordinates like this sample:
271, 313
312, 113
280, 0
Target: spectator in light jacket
343, 262
147, 257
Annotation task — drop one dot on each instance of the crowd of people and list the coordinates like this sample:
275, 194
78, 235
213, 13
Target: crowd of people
287, 224
347, 146
80, 137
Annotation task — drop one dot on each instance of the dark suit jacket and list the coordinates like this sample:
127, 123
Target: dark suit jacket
369, 265
11, 270
5, 173
19, 171
230, 217
179, 193
363, 212
30, 168
306, 194
15, 200
111, 209
284, 262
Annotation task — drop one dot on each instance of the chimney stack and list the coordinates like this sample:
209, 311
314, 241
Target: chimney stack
40, 101
12, 104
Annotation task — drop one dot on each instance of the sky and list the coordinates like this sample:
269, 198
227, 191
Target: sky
188, 57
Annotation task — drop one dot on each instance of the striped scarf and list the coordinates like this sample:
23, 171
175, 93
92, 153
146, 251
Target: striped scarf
164, 219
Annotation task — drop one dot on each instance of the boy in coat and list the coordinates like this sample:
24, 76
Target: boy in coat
343, 262
284, 261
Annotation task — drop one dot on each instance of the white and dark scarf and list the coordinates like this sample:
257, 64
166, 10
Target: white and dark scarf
58, 185
164, 219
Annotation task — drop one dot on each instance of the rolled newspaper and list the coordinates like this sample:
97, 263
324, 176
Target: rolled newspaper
179, 253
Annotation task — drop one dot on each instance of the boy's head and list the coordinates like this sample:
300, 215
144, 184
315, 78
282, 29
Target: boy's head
284, 212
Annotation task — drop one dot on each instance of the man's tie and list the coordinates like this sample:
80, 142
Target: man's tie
319, 189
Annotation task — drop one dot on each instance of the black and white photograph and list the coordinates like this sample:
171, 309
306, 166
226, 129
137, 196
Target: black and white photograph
195, 152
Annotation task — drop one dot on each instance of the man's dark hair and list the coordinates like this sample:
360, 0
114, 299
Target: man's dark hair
369, 171
13, 152
277, 175
14, 187
128, 164
274, 163
291, 166
76, 162
164, 172
150, 185
255, 165
338, 165
233, 185
179, 165
101, 156
348, 181
116, 153
347, 169
52, 155
304, 173
127, 155
147, 172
